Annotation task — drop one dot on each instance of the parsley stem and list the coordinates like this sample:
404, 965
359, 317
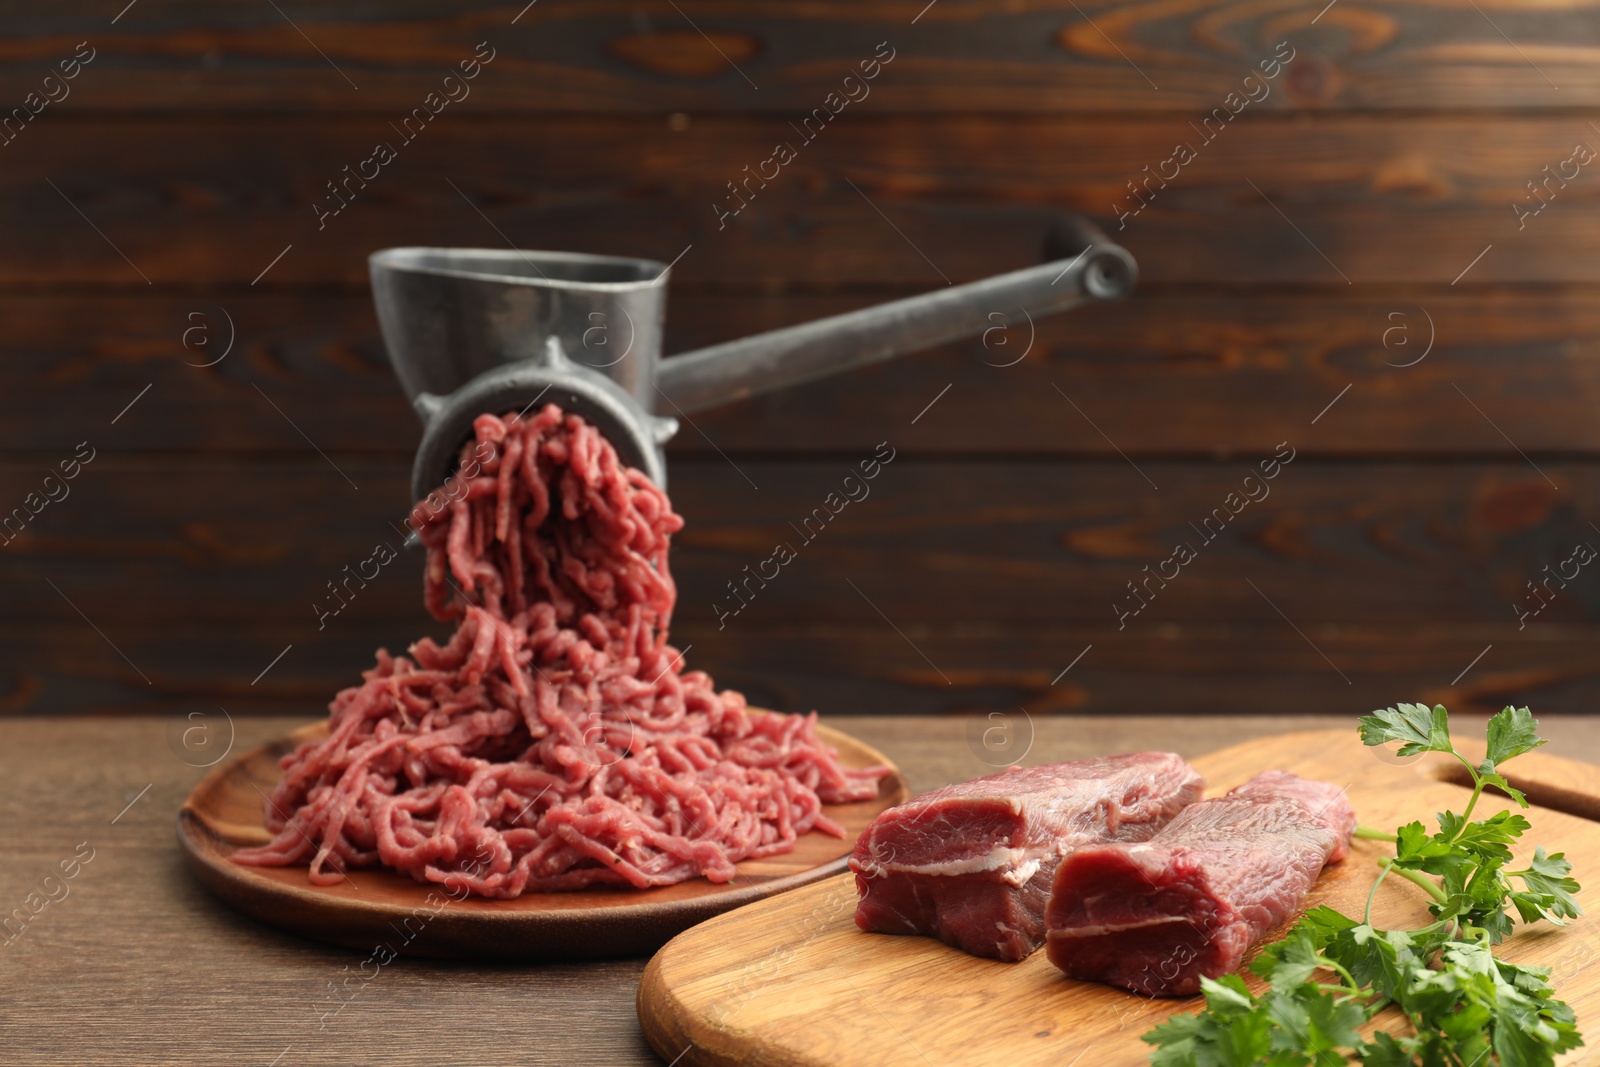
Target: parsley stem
1477, 782
1415, 877
1424, 881
1372, 834
1388, 866
1353, 987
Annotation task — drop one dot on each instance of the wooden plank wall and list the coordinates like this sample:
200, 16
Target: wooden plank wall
1351, 271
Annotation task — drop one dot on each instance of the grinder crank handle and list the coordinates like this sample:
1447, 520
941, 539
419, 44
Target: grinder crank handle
1090, 267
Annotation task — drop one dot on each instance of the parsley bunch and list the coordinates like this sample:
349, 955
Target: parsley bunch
1331, 974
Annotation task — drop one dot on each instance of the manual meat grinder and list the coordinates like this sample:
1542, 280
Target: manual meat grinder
472, 330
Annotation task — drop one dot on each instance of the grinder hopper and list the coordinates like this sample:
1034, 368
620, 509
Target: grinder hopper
471, 331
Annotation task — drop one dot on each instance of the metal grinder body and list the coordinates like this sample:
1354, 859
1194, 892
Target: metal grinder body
474, 331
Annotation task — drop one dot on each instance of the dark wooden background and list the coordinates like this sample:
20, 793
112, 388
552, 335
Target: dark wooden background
1390, 553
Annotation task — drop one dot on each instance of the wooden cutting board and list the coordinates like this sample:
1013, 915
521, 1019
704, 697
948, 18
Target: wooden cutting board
792, 981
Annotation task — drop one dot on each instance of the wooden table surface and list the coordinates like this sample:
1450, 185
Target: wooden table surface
137, 964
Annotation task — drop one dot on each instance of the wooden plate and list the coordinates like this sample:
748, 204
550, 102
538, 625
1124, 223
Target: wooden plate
374, 908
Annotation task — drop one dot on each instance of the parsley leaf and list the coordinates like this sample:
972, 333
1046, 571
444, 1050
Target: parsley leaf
1491, 838
1550, 886
1291, 961
1512, 732
1231, 1032
1418, 850
1421, 728
1488, 776
1312, 1026
1330, 974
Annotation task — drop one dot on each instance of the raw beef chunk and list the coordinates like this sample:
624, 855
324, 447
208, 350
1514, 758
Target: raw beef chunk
1192, 900
972, 864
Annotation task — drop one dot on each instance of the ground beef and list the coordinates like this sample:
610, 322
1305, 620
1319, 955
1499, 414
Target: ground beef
1191, 901
972, 864
555, 740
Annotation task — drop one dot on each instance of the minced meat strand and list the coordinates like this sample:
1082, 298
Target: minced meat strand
555, 741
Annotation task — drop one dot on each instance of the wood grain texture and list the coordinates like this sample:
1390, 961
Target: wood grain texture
210, 201
140, 964
200, 137
1000, 542
382, 907
986, 675
1206, 376
960, 55
792, 980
